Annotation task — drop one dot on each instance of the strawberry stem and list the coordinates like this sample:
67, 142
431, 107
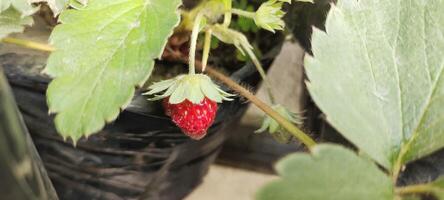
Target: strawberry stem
194, 36
243, 13
417, 189
28, 44
261, 71
206, 49
290, 127
227, 14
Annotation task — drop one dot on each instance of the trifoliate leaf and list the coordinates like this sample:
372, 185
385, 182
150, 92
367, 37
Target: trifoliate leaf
188, 87
12, 21
378, 75
102, 53
331, 173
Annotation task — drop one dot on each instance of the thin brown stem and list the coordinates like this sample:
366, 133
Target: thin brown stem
295, 131
290, 127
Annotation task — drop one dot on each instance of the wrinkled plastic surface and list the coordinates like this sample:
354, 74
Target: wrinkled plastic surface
22, 175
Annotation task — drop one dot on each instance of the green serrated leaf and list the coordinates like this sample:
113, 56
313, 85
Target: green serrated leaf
378, 75
103, 52
331, 173
12, 21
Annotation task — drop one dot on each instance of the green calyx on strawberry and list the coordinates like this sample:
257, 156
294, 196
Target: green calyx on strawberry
277, 131
191, 101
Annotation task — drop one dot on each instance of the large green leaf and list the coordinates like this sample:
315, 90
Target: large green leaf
103, 52
378, 75
330, 173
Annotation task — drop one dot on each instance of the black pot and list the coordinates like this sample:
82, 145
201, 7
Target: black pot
142, 155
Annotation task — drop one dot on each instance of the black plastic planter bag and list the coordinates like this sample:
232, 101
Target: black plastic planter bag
22, 174
142, 155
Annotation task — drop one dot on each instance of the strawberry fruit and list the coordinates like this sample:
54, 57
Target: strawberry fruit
191, 101
193, 119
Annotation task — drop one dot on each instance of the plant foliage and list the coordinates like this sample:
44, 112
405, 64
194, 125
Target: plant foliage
102, 53
377, 74
333, 173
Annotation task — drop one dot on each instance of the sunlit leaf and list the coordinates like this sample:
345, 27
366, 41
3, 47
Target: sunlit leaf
377, 74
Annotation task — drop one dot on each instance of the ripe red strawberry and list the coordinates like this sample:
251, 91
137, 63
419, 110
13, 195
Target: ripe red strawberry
191, 101
193, 119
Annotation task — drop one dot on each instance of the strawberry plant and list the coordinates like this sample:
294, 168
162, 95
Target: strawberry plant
101, 51
376, 72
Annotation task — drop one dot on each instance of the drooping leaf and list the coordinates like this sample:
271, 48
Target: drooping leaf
12, 21
102, 53
377, 73
332, 173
